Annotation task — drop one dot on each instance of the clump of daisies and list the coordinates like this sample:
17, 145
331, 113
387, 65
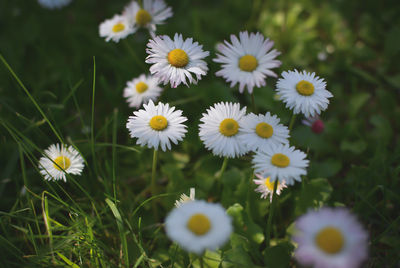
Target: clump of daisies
54, 4
141, 89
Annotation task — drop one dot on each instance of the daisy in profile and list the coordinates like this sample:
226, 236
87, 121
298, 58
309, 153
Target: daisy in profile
330, 238
266, 187
220, 129
53, 4
198, 225
116, 28
141, 90
281, 162
261, 131
315, 123
247, 61
157, 126
184, 198
176, 60
303, 92
58, 160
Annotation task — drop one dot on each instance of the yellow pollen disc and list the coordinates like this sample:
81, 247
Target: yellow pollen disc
178, 58
264, 130
280, 160
143, 17
141, 87
63, 162
270, 185
305, 88
199, 224
248, 63
229, 127
158, 122
330, 240
118, 27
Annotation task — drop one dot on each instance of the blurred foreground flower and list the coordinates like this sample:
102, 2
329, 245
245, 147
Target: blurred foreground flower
266, 187
141, 89
316, 124
52, 4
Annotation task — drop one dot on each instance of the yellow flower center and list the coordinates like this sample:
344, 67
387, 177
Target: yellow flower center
143, 17
280, 160
248, 63
199, 224
158, 122
178, 58
229, 127
270, 185
330, 240
62, 162
141, 87
118, 27
305, 88
264, 130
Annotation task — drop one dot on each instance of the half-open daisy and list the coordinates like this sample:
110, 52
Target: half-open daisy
266, 187
53, 4
175, 60
184, 198
220, 129
198, 225
247, 60
58, 160
330, 238
116, 28
157, 126
141, 90
303, 92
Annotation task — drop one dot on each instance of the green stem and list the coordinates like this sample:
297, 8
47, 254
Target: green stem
201, 262
253, 103
138, 61
224, 164
271, 214
153, 172
292, 122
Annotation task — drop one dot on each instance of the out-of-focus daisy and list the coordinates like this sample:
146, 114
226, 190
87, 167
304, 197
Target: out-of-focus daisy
261, 131
175, 60
247, 61
303, 92
316, 124
198, 225
220, 129
330, 238
281, 162
157, 126
116, 28
141, 90
184, 198
266, 187
58, 160
52, 4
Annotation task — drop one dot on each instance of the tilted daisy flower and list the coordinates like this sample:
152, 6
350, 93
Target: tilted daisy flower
58, 160
220, 129
184, 198
198, 225
330, 238
247, 61
52, 4
281, 162
141, 90
303, 92
116, 28
175, 60
266, 187
157, 126
261, 131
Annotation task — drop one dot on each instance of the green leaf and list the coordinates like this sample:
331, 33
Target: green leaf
357, 101
313, 195
278, 256
356, 147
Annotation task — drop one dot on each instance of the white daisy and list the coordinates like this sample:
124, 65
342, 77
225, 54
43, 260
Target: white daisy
157, 125
198, 225
174, 60
184, 198
141, 90
266, 187
53, 4
281, 162
315, 123
262, 131
220, 129
330, 238
247, 60
58, 160
116, 28
303, 92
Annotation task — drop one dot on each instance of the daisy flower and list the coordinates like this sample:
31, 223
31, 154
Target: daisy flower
157, 126
261, 131
116, 28
184, 198
303, 92
330, 238
266, 187
247, 61
174, 60
58, 160
315, 123
220, 129
281, 162
141, 90
198, 225
53, 4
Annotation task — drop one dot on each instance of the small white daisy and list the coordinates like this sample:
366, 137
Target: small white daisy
198, 225
116, 28
266, 187
262, 131
184, 198
53, 4
303, 92
220, 129
58, 160
247, 60
141, 90
330, 238
281, 162
174, 60
157, 126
